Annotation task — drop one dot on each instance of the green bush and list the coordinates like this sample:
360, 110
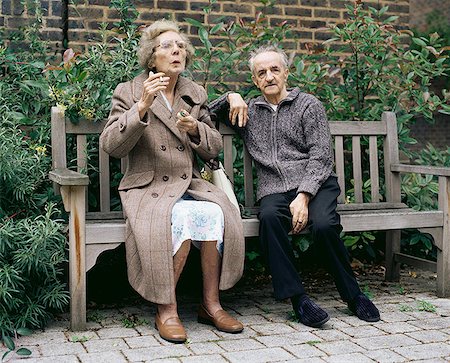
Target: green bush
32, 245
32, 251
421, 191
83, 84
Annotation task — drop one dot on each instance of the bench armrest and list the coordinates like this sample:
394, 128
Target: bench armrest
68, 177
421, 169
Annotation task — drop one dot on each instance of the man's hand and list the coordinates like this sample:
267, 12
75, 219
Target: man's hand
299, 211
238, 109
187, 123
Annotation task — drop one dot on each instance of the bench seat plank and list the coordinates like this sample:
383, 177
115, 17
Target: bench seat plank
364, 220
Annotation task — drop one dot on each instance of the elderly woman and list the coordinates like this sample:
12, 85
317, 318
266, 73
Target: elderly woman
159, 121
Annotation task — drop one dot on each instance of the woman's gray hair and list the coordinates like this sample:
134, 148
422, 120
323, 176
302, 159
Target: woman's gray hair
148, 42
268, 48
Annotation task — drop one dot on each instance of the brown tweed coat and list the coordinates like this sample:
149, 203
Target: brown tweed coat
161, 168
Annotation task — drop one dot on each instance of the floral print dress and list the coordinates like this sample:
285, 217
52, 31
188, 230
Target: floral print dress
198, 221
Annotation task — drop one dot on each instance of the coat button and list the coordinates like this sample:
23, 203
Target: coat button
180, 147
184, 176
163, 147
165, 178
155, 195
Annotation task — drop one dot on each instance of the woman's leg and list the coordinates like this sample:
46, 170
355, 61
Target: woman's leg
179, 260
211, 265
211, 312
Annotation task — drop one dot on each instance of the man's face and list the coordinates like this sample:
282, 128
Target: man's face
269, 74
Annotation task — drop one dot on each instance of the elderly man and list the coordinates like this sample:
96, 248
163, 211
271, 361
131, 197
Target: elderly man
287, 135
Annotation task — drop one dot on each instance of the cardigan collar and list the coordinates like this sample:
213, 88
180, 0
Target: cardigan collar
292, 95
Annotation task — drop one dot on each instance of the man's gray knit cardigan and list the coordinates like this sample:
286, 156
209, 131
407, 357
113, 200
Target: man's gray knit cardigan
291, 147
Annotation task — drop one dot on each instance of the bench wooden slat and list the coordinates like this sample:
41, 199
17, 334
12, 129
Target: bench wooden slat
59, 139
248, 179
228, 156
421, 169
370, 206
104, 216
114, 232
225, 130
390, 220
123, 165
100, 232
339, 162
84, 127
357, 170
104, 181
68, 177
391, 156
81, 154
81, 141
357, 128
374, 175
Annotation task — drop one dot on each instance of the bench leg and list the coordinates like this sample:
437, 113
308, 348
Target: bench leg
443, 271
77, 257
443, 244
392, 247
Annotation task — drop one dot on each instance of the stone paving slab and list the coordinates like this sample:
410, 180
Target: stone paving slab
415, 327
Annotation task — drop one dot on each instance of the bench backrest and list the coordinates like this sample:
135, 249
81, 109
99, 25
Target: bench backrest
356, 144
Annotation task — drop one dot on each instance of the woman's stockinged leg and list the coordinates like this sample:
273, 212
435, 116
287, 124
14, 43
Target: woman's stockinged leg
211, 266
211, 312
179, 260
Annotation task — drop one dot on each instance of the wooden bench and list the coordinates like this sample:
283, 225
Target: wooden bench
91, 233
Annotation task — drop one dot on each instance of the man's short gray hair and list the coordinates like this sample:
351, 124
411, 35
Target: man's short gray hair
268, 48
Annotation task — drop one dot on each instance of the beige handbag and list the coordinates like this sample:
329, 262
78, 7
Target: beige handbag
215, 173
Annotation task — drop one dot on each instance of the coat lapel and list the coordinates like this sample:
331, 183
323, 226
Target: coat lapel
186, 96
168, 118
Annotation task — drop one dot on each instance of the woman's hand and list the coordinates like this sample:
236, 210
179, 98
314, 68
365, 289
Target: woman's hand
155, 82
238, 109
187, 123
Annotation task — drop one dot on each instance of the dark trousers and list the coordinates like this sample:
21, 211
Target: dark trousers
324, 224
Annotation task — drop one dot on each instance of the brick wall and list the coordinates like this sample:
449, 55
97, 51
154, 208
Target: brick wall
14, 15
419, 9
307, 17
437, 134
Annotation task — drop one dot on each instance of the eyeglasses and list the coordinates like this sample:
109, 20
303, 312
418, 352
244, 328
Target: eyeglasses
170, 43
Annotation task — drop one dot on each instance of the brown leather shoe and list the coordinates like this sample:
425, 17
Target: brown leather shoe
221, 320
171, 330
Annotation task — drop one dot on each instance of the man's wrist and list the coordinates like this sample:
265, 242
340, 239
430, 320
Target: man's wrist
305, 196
229, 94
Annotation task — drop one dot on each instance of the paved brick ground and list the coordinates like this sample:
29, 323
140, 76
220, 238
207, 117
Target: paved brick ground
407, 332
